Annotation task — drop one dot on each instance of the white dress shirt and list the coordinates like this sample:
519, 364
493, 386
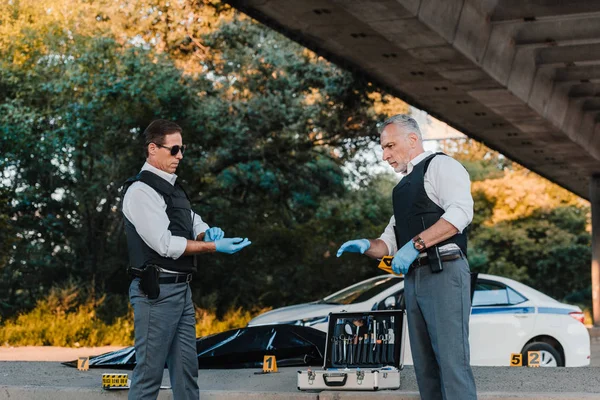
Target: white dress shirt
146, 210
448, 185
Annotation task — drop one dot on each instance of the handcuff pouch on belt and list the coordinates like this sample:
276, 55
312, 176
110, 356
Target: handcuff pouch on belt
149, 281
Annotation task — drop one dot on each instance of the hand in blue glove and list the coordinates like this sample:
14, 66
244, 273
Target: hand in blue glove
404, 258
354, 246
213, 234
231, 245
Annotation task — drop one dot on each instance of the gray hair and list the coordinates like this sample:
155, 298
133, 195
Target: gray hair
404, 121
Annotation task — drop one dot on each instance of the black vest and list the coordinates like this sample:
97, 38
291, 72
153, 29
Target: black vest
180, 224
414, 211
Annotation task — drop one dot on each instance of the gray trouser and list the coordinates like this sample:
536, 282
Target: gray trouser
165, 332
438, 307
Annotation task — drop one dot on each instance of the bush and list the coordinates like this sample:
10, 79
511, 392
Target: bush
67, 318
70, 317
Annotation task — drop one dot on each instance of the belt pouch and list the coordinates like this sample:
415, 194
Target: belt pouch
435, 261
149, 281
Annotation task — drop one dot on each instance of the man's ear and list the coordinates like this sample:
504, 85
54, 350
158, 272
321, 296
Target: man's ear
151, 148
413, 139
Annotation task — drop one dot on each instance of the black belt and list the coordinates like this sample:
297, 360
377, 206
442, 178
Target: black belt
421, 261
176, 278
170, 278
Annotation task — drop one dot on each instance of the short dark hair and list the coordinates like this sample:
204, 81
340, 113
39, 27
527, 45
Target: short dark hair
157, 130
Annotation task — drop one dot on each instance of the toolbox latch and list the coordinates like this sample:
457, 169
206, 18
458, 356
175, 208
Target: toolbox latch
311, 377
360, 376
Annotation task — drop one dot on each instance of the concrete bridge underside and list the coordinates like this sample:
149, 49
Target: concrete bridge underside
521, 76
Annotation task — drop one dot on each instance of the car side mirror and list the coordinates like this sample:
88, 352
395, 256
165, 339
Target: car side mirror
390, 303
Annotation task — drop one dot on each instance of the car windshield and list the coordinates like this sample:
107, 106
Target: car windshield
363, 291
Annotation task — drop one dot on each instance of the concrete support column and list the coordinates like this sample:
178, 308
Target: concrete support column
595, 201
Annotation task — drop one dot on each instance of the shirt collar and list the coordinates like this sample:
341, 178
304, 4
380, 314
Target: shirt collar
171, 178
416, 160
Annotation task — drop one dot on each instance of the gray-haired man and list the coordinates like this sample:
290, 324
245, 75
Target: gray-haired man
432, 207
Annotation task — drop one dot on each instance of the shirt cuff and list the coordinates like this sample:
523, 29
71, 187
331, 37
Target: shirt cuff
176, 247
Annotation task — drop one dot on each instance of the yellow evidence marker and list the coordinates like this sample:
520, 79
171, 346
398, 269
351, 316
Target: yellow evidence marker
83, 363
386, 265
516, 360
269, 364
534, 358
115, 381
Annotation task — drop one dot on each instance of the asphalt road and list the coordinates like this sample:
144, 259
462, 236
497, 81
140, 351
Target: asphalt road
489, 379
51, 380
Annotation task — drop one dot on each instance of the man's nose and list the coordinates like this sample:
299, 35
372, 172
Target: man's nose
179, 155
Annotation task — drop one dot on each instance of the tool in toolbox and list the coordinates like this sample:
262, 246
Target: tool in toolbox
364, 351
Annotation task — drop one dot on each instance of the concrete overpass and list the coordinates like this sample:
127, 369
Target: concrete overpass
521, 76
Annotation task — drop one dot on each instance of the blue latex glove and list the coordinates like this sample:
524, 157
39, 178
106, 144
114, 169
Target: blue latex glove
354, 246
404, 258
213, 234
231, 245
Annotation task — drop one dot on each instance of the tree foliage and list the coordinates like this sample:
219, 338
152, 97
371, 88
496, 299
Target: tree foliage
270, 127
269, 123
526, 227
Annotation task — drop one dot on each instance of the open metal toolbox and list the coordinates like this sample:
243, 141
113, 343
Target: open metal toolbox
364, 351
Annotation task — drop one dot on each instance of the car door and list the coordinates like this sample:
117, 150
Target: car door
501, 320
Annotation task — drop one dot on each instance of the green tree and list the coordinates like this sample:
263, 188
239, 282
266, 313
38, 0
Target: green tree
548, 250
270, 125
272, 134
68, 138
525, 227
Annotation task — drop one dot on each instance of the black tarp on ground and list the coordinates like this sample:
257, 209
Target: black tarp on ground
291, 345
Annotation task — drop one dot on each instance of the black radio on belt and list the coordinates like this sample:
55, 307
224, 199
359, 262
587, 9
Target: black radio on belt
433, 255
149, 281
435, 261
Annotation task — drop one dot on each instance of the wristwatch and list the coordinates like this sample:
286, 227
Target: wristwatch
419, 244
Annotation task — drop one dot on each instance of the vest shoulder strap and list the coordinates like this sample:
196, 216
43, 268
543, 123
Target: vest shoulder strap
125, 187
157, 183
428, 160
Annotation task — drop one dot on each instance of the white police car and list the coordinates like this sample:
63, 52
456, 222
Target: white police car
507, 317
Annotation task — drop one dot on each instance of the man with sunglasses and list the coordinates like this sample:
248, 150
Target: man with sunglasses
164, 236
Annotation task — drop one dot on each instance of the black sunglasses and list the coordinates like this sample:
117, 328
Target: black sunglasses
174, 149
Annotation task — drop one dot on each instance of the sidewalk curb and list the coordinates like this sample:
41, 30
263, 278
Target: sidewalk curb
56, 393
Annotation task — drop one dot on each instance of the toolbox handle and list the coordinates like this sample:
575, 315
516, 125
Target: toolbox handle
335, 382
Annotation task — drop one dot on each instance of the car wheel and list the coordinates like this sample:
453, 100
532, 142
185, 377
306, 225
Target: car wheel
550, 357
